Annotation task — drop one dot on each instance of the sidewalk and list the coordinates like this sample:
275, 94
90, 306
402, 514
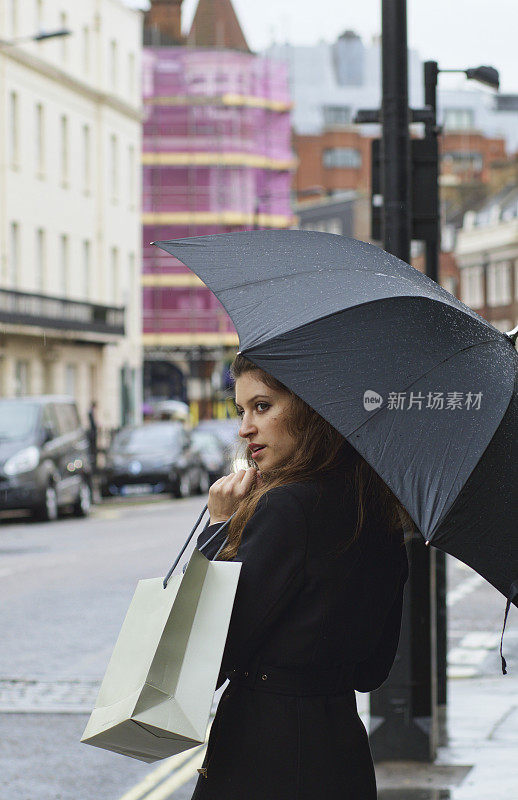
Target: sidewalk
481, 758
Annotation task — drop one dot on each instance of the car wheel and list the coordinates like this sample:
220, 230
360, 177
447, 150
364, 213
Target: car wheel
83, 503
203, 482
48, 510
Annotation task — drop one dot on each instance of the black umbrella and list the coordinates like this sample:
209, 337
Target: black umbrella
422, 386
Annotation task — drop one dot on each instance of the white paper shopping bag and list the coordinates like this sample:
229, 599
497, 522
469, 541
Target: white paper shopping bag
156, 696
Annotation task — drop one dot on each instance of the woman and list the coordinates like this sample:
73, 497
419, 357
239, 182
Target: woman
318, 607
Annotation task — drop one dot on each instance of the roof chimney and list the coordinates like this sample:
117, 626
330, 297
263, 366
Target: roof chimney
163, 23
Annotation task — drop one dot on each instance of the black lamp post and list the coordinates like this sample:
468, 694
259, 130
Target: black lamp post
404, 718
489, 77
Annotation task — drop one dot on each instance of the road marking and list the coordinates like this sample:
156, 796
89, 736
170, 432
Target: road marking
148, 787
153, 779
466, 656
455, 671
107, 513
463, 589
179, 778
484, 639
470, 652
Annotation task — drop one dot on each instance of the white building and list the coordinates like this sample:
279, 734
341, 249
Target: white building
330, 82
70, 231
487, 255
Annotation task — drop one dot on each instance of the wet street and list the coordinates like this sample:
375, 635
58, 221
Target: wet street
64, 590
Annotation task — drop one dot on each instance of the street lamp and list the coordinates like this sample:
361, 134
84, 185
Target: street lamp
488, 76
36, 37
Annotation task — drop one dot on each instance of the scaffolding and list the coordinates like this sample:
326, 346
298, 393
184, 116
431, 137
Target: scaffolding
217, 157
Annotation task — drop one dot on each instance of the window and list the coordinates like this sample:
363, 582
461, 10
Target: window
472, 286
14, 17
87, 158
334, 225
337, 115
39, 15
463, 160
14, 130
458, 119
48, 418
14, 254
129, 288
114, 161
341, 157
64, 150
64, 276
66, 413
40, 277
63, 24
70, 384
92, 376
131, 75
40, 140
503, 325
48, 378
114, 276
86, 50
22, 378
131, 176
87, 277
499, 284
113, 64
450, 284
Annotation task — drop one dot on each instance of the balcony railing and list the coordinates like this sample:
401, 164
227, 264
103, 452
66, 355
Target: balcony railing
23, 308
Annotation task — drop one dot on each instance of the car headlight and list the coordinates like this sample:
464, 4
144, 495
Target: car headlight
23, 461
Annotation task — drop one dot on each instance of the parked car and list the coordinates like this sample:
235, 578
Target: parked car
44, 457
154, 457
226, 431
212, 452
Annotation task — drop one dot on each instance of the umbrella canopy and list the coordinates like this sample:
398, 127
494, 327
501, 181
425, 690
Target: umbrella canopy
422, 386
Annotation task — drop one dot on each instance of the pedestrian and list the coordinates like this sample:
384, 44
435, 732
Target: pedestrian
317, 612
92, 435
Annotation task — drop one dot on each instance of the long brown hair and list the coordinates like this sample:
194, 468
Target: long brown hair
321, 450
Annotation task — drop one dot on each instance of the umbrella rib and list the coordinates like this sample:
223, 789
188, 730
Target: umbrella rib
250, 349
477, 344
317, 273
444, 360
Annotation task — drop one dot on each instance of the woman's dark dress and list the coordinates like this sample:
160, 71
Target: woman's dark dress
303, 603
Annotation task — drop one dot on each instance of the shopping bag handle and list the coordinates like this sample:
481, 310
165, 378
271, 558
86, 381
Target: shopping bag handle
203, 545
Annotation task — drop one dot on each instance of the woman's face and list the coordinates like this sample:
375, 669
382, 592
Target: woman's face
264, 415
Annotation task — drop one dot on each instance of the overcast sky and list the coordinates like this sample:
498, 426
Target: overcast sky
456, 33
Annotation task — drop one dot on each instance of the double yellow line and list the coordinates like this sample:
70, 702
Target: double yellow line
160, 783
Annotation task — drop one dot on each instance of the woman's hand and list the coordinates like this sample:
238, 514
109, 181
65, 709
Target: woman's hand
226, 493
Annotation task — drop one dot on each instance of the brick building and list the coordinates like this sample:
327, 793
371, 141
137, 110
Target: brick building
336, 160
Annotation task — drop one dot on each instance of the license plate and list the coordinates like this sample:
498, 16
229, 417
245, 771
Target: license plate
137, 488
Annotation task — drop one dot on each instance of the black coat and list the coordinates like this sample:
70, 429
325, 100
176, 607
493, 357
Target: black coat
312, 621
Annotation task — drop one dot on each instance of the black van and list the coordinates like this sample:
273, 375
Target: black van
44, 457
